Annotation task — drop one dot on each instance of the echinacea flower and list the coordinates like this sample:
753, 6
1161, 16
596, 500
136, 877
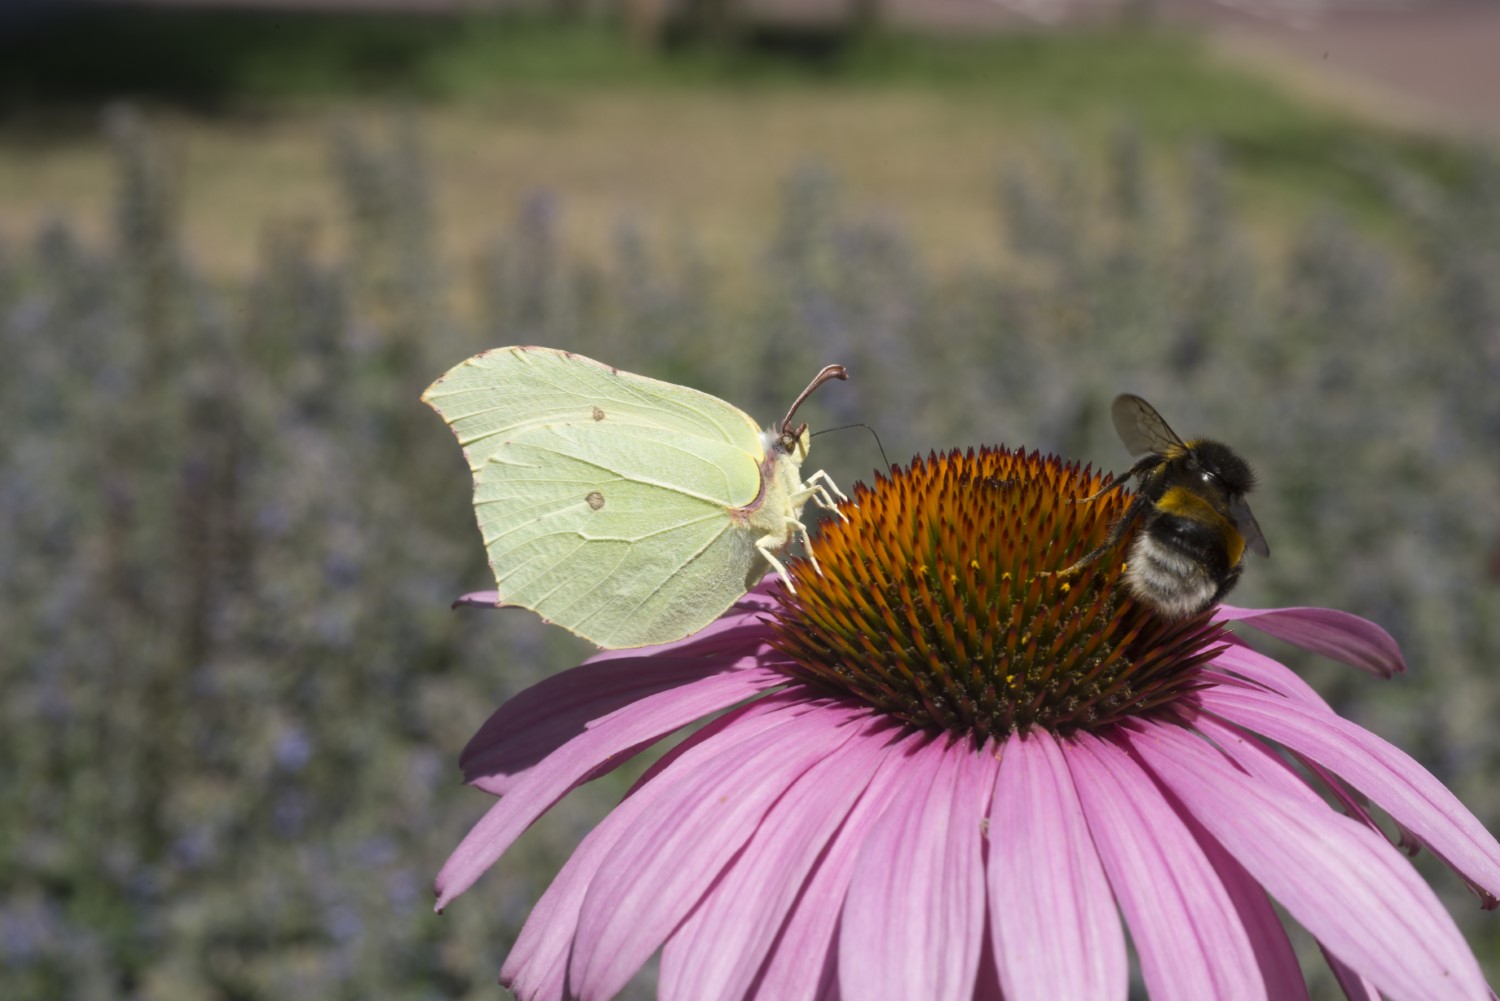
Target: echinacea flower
941, 772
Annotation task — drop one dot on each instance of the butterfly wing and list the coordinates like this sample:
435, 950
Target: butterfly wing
605, 498
488, 398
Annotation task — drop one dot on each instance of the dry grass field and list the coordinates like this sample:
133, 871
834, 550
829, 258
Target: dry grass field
680, 165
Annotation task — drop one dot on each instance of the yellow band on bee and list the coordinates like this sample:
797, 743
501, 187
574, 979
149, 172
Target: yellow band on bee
1184, 503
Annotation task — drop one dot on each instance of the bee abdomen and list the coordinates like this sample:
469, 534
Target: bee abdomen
1172, 581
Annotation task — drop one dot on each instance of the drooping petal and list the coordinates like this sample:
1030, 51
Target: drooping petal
540, 720
1256, 757
1387, 775
681, 845
1337, 635
537, 967
1341, 880
743, 628
1273, 950
803, 965
479, 599
1183, 922
606, 742
1241, 662
718, 950
913, 921
1053, 919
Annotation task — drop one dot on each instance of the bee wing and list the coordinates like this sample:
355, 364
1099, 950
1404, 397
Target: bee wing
1141, 428
1239, 513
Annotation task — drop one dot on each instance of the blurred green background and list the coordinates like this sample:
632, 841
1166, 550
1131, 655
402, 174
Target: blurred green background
235, 246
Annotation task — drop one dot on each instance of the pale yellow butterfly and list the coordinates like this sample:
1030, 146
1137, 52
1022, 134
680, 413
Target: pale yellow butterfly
627, 510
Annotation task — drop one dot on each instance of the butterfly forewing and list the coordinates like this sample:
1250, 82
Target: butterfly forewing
490, 397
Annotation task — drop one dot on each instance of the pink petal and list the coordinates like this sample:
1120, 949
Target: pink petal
1256, 758
537, 967
720, 948
480, 599
743, 623
803, 965
1183, 922
913, 921
1341, 880
663, 865
1273, 950
609, 741
538, 721
1053, 920
1337, 635
1387, 775
1254, 666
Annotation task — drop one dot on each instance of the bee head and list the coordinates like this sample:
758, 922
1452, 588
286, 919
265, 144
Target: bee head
1223, 464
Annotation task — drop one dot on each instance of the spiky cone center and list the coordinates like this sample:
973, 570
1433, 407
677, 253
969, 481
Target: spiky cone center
941, 602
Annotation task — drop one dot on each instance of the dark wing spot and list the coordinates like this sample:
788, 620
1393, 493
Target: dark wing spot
598, 414
595, 499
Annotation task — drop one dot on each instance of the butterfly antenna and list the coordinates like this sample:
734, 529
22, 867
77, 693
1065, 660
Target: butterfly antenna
878, 444
789, 437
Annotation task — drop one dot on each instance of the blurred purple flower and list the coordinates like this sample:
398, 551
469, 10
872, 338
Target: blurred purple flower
904, 818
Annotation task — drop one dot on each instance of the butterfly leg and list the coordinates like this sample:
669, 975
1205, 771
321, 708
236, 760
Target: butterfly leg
821, 489
794, 530
822, 475
767, 545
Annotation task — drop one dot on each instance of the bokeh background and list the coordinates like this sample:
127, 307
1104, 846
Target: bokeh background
237, 240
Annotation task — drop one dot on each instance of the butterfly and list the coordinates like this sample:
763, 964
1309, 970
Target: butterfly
627, 510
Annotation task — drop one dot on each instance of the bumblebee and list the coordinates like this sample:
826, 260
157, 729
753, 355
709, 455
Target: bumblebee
1190, 503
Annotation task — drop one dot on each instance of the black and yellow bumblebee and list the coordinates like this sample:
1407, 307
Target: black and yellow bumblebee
1190, 502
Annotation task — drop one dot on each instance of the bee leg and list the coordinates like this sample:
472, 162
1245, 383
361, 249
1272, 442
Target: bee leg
1074, 570
1116, 482
1111, 484
1116, 533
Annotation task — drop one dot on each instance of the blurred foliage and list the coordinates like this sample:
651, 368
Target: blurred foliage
1171, 86
233, 690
